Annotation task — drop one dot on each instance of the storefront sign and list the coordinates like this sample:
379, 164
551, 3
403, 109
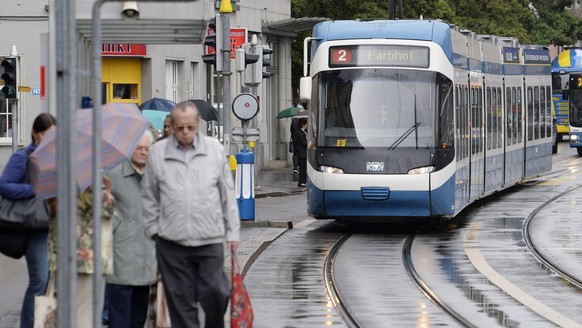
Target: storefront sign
123, 49
238, 37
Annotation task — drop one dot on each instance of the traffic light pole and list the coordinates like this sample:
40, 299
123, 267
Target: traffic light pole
227, 126
14, 130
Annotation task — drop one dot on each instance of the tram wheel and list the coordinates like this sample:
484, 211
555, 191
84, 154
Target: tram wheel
579, 149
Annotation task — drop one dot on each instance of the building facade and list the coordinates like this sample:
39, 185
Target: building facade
144, 58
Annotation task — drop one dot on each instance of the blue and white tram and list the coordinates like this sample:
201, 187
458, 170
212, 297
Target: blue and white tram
419, 119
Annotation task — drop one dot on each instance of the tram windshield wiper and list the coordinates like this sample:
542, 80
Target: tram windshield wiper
414, 127
404, 135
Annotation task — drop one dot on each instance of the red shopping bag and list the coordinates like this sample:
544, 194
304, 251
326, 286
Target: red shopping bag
241, 311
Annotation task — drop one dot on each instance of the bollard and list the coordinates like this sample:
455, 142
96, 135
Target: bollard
245, 184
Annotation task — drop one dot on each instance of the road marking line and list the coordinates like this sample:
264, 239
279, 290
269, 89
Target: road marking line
555, 182
304, 223
512, 290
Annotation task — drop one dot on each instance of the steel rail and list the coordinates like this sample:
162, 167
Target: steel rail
527, 226
332, 288
415, 277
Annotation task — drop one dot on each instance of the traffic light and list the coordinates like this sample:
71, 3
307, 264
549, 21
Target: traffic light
244, 58
213, 42
266, 60
251, 60
9, 77
254, 74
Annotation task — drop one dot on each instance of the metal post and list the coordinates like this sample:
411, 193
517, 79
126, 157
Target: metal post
66, 93
227, 126
97, 192
96, 163
14, 131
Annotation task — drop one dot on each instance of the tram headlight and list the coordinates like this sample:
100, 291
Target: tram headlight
421, 170
574, 137
331, 169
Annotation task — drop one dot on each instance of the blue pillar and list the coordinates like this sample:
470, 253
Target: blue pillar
245, 184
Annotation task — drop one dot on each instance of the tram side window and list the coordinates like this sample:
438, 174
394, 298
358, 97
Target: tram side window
543, 118
480, 144
556, 82
476, 120
499, 111
550, 118
489, 119
457, 121
446, 138
537, 122
494, 114
466, 123
515, 117
508, 117
519, 118
315, 108
530, 109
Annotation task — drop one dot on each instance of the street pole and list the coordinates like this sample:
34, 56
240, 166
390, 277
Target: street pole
14, 130
66, 93
225, 10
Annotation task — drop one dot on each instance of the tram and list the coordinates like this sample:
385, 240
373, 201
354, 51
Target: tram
417, 118
567, 62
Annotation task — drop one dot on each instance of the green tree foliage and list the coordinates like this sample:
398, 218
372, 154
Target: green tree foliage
541, 22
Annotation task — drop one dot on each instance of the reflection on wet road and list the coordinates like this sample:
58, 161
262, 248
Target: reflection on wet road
288, 290
478, 264
371, 277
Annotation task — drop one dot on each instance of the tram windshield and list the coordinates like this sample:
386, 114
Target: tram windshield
378, 108
576, 108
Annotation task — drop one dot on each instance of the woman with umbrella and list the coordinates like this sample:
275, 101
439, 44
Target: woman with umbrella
15, 184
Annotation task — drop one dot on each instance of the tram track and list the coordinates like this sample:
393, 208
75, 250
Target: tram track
332, 288
527, 236
419, 282
350, 315
340, 303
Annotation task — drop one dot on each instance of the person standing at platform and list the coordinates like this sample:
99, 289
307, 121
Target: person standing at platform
190, 211
300, 148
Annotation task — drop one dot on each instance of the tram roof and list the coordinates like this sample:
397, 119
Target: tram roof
568, 59
423, 30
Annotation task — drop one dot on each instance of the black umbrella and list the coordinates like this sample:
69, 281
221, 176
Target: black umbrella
158, 104
207, 112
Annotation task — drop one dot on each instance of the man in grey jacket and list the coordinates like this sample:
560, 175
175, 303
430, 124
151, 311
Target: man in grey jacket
190, 211
134, 255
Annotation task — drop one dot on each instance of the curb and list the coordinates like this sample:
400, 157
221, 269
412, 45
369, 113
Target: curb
279, 193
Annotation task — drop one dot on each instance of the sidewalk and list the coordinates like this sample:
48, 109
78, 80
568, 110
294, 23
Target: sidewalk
256, 236
275, 183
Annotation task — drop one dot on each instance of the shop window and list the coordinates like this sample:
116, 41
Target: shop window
124, 91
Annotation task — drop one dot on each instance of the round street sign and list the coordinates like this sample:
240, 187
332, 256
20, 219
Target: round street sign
245, 106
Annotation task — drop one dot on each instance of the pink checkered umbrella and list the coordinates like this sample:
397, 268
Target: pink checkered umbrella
121, 129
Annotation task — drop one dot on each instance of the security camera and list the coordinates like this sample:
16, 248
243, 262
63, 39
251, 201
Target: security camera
130, 10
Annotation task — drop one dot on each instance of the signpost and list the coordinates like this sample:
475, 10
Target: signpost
245, 107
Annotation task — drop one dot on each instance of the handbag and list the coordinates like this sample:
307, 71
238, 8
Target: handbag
291, 145
162, 313
241, 311
13, 244
23, 214
45, 307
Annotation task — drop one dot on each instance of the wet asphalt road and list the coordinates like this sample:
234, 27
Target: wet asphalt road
477, 264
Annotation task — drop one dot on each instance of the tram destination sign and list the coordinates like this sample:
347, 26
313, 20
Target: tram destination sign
379, 55
575, 82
